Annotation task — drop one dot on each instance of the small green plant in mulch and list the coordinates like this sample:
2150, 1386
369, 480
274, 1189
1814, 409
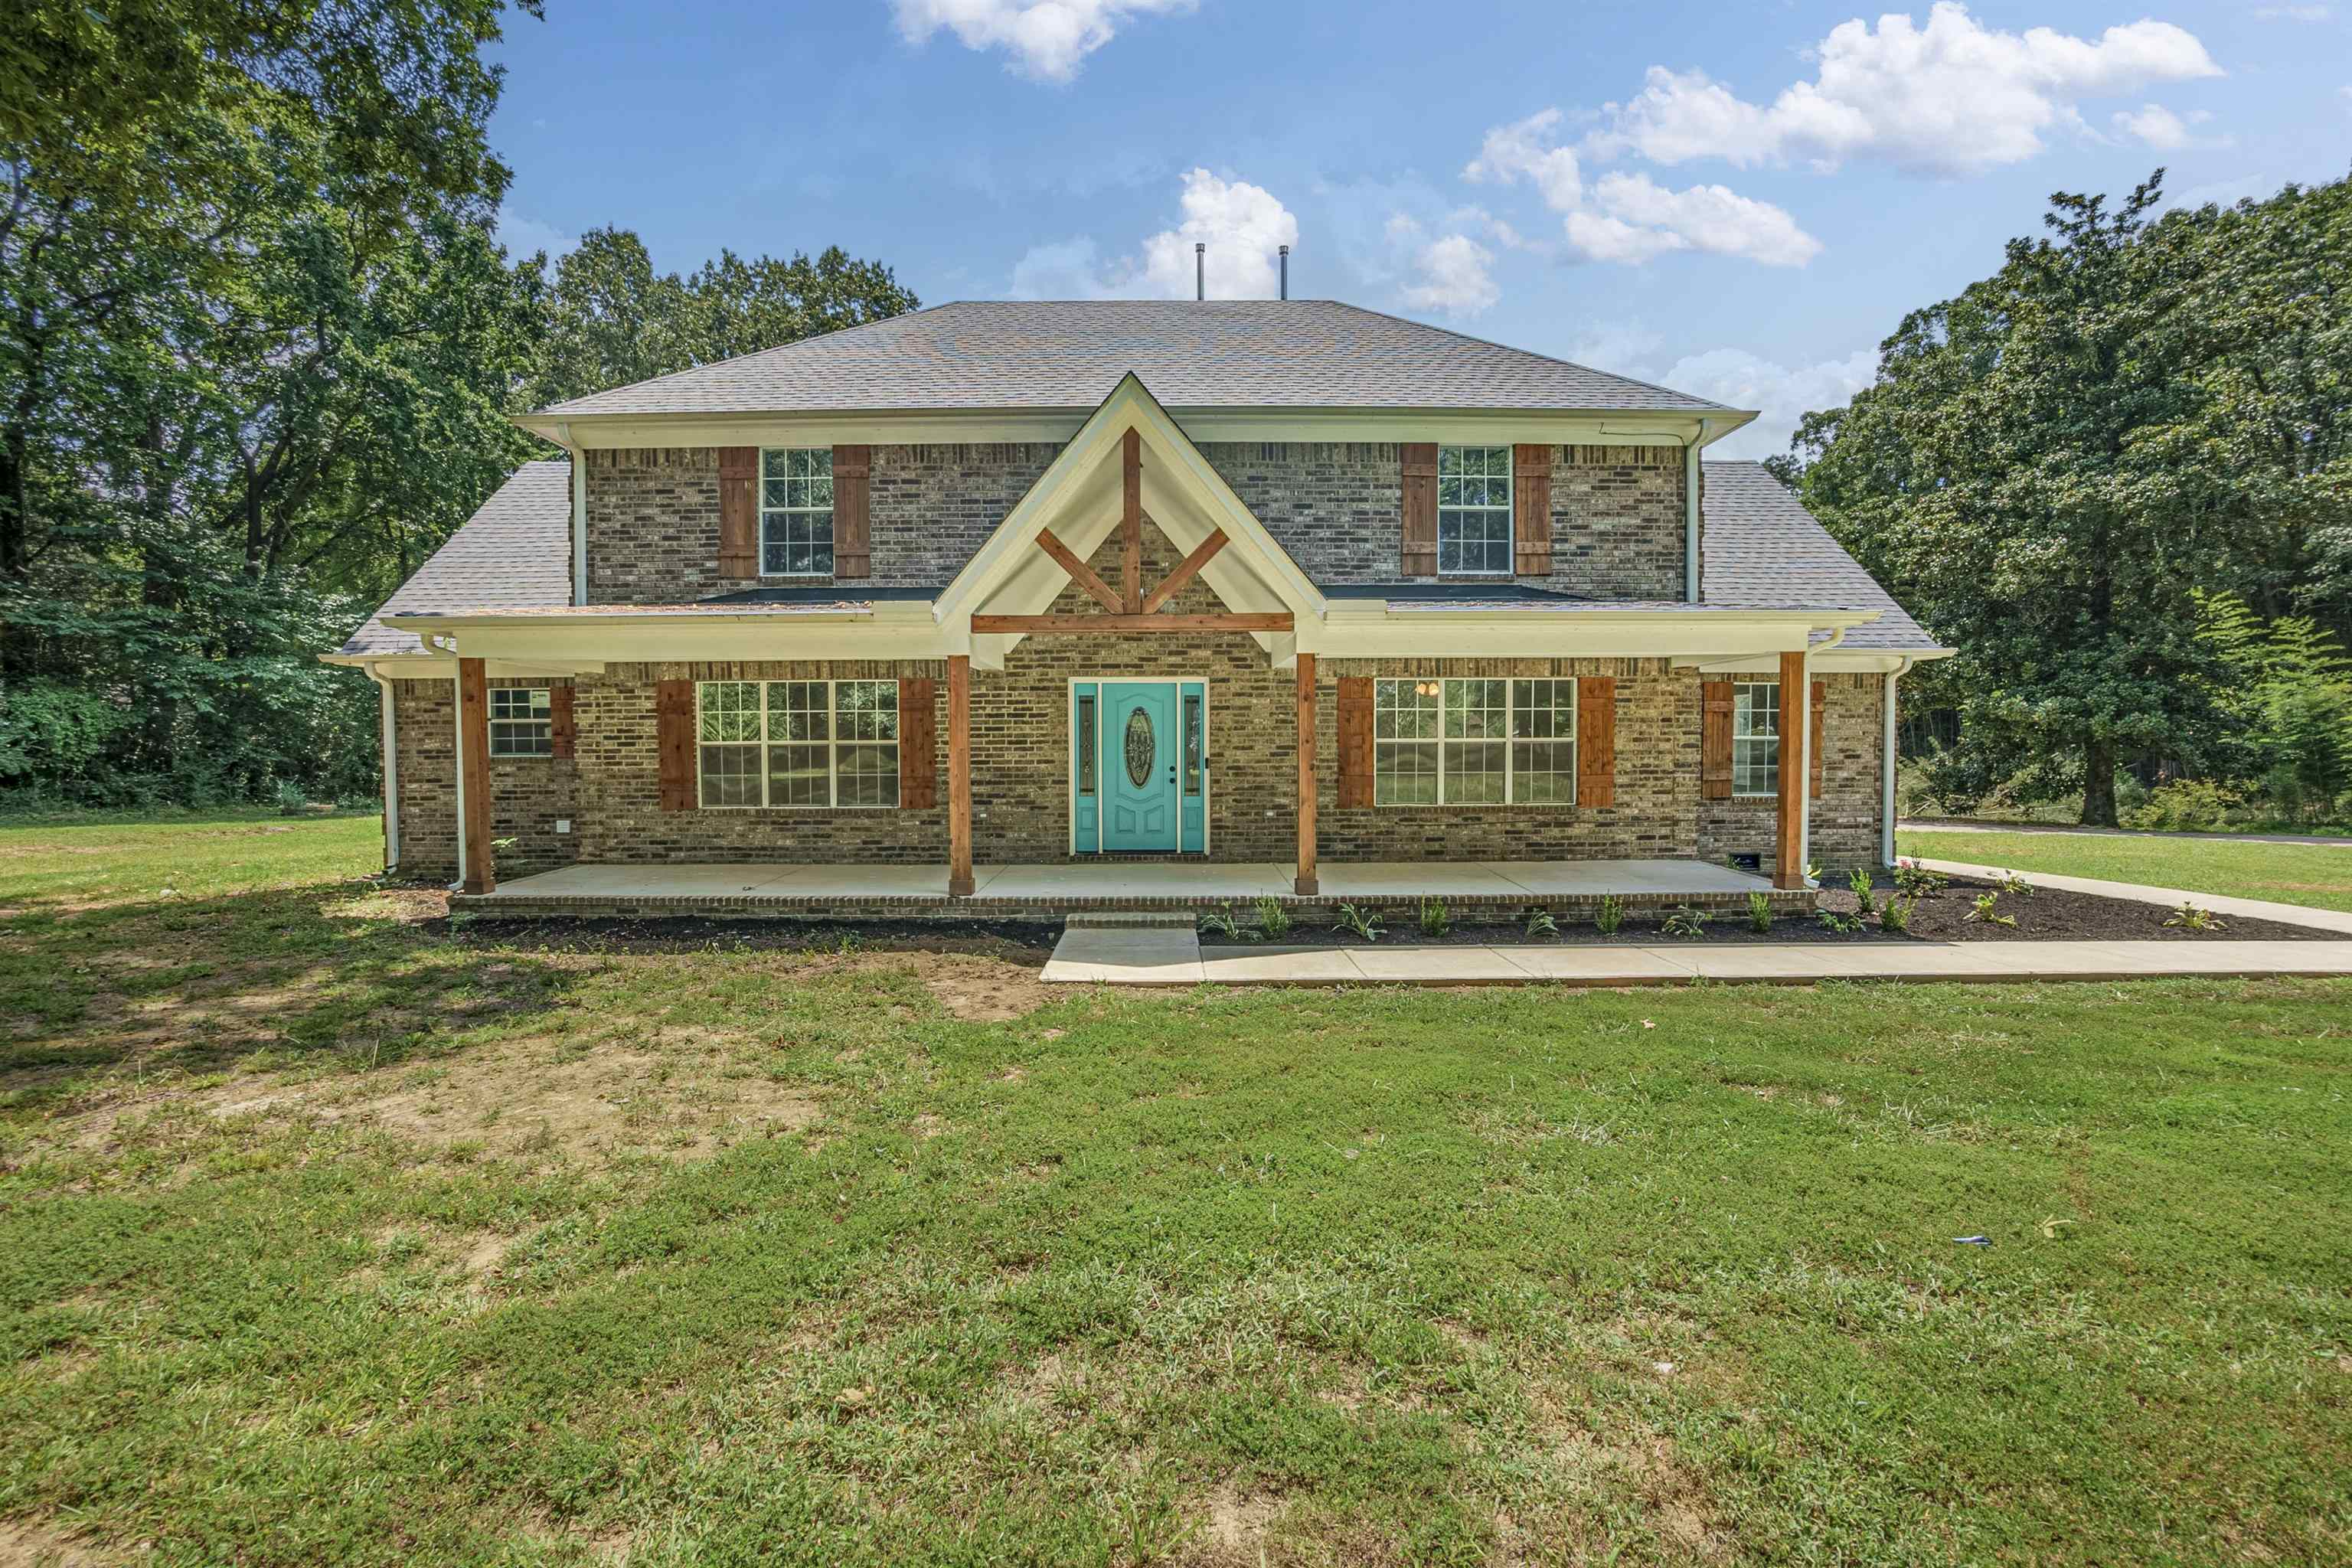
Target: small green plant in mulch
1273, 918
2189, 917
1434, 920
1364, 923
1831, 919
1985, 908
1864, 886
1896, 915
1540, 924
1915, 879
1686, 921
1220, 921
2010, 882
1759, 913
1611, 915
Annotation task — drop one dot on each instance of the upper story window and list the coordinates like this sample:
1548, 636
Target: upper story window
1756, 738
1473, 743
1474, 510
522, 722
796, 511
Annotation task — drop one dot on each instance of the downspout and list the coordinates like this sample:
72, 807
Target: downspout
1886, 770
391, 741
579, 520
1691, 488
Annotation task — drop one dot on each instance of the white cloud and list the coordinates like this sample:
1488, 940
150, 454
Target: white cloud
1046, 39
2154, 124
1953, 97
1781, 393
1707, 217
1454, 277
522, 235
1242, 224
1516, 151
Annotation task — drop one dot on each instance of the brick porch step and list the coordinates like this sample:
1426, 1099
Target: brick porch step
1128, 920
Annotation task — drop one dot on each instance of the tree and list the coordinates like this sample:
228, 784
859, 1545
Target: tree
612, 320
2042, 471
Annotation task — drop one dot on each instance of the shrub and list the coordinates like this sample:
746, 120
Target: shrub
1611, 914
1844, 925
2189, 917
2188, 805
1686, 921
1896, 915
1273, 918
1434, 922
1984, 911
1915, 879
1861, 882
1759, 913
1219, 922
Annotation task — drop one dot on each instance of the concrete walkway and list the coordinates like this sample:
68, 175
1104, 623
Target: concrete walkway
1961, 825
1171, 956
2170, 898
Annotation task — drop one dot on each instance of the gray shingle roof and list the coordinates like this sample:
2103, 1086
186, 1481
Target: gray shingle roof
514, 554
1069, 355
1763, 549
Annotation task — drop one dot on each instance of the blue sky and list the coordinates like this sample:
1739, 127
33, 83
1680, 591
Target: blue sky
1739, 201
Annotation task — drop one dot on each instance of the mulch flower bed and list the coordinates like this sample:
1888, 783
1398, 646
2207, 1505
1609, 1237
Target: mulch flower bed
1948, 914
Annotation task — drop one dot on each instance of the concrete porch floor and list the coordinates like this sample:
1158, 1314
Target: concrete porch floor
1128, 882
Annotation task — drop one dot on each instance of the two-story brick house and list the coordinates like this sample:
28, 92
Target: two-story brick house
1246, 586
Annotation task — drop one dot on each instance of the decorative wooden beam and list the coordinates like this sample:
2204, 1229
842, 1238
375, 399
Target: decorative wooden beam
1025, 625
1788, 861
1080, 573
1305, 885
473, 740
1131, 519
1186, 570
960, 775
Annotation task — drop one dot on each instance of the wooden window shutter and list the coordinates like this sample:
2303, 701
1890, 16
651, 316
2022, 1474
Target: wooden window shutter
1813, 741
1355, 741
560, 735
1420, 524
1531, 510
853, 529
1596, 739
674, 726
739, 512
918, 744
1714, 740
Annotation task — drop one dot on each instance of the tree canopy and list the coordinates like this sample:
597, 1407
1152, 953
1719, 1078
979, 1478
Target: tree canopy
2052, 467
258, 349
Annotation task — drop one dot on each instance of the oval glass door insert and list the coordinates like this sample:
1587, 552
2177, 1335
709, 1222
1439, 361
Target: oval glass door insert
1142, 747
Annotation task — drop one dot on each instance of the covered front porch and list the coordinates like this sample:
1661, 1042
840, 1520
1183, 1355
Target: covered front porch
1049, 891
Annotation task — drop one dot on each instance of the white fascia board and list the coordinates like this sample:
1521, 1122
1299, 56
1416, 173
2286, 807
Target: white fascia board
548, 643
918, 426
1839, 661
1581, 634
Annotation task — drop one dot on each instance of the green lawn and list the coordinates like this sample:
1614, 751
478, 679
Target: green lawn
2317, 874
329, 1235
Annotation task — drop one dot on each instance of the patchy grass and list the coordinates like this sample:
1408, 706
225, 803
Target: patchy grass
2319, 875
331, 1234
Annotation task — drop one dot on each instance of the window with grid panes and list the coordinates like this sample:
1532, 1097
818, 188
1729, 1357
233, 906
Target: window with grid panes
522, 723
1474, 510
798, 743
796, 511
1756, 738
1476, 742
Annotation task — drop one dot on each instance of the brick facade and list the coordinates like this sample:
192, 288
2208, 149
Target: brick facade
529, 795
1847, 819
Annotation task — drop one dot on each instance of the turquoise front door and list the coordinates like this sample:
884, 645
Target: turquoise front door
1141, 789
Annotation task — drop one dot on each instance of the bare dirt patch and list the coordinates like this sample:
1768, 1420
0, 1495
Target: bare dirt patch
1233, 1525
26, 1543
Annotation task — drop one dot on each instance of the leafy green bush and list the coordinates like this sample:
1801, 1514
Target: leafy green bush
1611, 914
1434, 920
1759, 913
2188, 805
1273, 918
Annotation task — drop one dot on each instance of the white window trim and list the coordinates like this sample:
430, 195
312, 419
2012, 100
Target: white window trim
544, 724
1510, 745
831, 744
1509, 509
1780, 718
766, 511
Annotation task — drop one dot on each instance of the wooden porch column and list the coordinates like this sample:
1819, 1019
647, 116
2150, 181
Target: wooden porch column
1796, 729
1307, 883
960, 775
474, 743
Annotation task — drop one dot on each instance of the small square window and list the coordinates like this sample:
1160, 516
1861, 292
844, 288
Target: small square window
522, 722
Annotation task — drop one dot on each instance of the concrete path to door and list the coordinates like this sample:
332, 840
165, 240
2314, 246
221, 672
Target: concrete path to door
1173, 956
2170, 898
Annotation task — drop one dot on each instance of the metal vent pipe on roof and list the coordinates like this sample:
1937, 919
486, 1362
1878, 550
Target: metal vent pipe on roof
1200, 269
1284, 251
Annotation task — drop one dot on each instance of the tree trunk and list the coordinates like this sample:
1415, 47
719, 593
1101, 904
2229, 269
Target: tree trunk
2098, 783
